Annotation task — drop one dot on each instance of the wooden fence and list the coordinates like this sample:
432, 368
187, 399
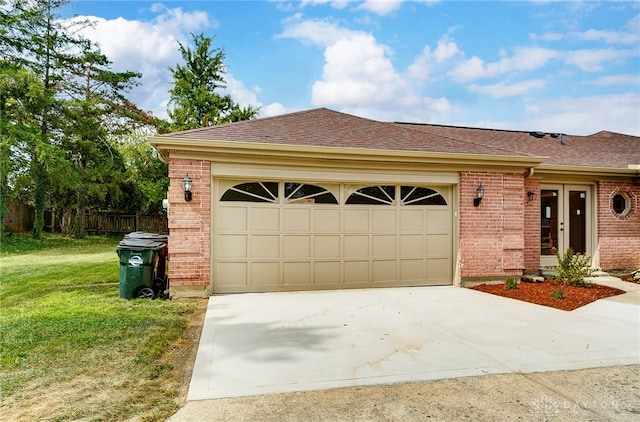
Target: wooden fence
20, 219
103, 223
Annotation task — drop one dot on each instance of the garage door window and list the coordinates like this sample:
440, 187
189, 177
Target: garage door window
307, 194
252, 192
415, 195
373, 195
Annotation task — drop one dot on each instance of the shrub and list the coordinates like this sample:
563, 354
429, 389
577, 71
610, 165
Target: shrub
573, 268
511, 284
635, 275
559, 294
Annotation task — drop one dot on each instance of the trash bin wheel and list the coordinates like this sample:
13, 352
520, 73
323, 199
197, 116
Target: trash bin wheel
159, 285
145, 293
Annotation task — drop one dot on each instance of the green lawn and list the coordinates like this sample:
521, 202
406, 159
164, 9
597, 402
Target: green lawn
70, 348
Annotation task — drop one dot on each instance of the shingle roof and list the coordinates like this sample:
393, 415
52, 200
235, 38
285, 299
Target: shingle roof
327, 128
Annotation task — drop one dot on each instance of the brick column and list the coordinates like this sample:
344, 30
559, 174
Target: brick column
189, 228
492, 235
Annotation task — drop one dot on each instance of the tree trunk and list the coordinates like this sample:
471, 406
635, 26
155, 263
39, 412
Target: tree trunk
39, 198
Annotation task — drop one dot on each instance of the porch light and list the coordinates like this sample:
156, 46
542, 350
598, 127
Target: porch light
479, 195
186, 185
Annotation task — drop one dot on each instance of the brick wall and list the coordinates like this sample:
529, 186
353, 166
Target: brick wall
189, 225
492, 235
618, 235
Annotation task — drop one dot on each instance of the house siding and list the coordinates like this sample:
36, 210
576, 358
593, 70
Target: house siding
618, 236
492, 235
189, 225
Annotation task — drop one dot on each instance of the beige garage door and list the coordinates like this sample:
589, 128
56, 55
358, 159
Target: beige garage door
276, 236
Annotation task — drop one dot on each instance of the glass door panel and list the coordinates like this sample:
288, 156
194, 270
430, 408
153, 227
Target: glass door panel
578, 221
548, 221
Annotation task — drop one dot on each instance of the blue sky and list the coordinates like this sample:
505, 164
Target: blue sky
571, 67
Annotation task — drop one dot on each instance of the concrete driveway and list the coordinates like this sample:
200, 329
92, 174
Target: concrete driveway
255, 344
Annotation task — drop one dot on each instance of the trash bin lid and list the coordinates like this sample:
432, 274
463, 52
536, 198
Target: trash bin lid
146, 235
141, 244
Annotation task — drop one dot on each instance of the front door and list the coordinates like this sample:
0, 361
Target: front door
565, 221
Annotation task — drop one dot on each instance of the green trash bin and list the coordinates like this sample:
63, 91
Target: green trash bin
139, 258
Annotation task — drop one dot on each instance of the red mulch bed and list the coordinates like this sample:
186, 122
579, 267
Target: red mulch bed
541, 293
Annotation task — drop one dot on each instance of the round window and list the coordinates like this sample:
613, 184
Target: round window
620, 204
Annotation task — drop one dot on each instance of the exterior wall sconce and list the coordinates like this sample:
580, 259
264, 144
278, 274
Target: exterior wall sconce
479, 195
531, 195
186, 185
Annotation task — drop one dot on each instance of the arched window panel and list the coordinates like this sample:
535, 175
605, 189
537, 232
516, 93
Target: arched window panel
252, 192
373, 195
416, 195
307, 194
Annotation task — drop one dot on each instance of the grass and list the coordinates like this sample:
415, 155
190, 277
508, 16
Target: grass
71, 349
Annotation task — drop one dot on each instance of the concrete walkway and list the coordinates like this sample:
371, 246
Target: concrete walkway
256, 344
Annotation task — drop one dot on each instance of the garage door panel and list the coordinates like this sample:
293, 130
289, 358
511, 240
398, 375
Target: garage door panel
356, 272
411, 245
327, 246
411, 220
297, 247
326, 220
297, 220
356, 246
265, 246
383, 220
326, 272
265, 273
232, 246
232, 274
356, 220
231, 219
383, 246
438, 222
265, 219
296, 273
438, 245
384, 271
412, 270
439, 270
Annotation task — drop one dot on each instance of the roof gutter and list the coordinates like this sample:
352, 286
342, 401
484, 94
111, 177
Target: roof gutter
631, 171
198, 148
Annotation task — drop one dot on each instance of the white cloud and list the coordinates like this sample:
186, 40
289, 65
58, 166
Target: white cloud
240, 94
629, 79
504, 90
381, 7
316, 32
359, 78
148, 47
384, 7
547, 36
594, 60
446, 51
275, 109
336, 4
609, 37
524, 59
